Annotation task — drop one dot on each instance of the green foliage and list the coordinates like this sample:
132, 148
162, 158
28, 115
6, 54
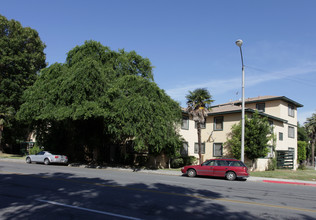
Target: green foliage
310, 126
34, 150
21, 57
258, 134
142, 111
189, 160
272, 164
302, 167
301, 133
183, 161
178, 162
198, 102
301, 150
199, 98
101, 98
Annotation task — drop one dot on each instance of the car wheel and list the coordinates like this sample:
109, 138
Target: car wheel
46, 161
28, 160
191, 173
230, 176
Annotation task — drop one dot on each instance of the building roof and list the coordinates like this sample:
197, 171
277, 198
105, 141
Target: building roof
231, 108
264, 98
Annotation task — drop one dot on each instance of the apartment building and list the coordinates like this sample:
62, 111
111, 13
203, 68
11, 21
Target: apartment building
282, 115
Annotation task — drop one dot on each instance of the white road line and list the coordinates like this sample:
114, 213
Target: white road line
89, 210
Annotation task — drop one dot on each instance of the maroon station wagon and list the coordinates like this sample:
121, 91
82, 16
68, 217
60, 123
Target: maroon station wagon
228, 168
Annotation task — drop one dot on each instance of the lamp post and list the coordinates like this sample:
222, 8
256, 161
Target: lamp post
239, 43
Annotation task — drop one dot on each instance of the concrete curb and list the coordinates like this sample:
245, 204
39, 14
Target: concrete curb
293, 183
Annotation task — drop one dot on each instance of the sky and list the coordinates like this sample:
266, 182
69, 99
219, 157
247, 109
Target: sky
191, 44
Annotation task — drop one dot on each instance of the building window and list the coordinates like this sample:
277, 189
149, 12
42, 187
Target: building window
196, 148
217, 149
291, 110
185, 123
203, 125
260, 107
184, 149
291, 132
280, 136
218, 123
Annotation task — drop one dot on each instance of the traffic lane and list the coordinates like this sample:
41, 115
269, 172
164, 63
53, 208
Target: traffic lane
254, 191
295, 196
140, 200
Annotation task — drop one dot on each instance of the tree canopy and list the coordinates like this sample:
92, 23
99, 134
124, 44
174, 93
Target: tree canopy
258, 136
21, 57
310, 125
101, 97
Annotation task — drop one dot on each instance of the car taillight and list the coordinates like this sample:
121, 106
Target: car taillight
56, 156
66, 157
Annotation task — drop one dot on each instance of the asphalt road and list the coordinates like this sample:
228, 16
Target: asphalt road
36, 191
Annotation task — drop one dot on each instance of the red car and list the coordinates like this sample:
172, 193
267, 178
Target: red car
229, 168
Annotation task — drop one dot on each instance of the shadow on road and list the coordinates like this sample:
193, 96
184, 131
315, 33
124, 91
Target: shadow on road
25, 196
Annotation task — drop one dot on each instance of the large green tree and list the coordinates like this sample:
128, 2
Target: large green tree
141, 111
198, 103
310, 125
21, 57
258, 136
100, 98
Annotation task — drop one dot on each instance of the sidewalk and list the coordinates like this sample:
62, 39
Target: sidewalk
178, 173
251, 178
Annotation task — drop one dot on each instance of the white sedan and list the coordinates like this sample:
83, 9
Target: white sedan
46, 158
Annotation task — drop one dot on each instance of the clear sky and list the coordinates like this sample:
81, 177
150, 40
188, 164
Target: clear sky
190, 43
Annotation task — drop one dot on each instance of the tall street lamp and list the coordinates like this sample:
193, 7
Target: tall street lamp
239, 43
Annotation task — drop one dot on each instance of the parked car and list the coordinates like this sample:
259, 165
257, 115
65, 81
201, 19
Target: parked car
46, 158
228, 168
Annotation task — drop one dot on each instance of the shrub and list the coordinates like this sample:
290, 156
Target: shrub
272, 164
302, 167
189, 160
34, 150
178, 162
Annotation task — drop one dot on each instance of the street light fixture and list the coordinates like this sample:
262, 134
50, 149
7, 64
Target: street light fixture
239, 43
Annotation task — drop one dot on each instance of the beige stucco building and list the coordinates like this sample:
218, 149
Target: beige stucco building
281, 112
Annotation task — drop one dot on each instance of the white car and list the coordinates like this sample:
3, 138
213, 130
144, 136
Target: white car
46, 158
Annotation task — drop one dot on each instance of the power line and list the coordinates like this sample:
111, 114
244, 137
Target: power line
291, 78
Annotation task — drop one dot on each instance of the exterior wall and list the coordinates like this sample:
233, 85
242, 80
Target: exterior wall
190, 136
280, 109
209, 136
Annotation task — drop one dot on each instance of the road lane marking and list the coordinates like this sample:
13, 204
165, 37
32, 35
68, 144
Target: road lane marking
173, 194
85, 209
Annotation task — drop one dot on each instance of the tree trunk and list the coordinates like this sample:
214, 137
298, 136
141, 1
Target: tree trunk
1, 129
199, 141
313, 153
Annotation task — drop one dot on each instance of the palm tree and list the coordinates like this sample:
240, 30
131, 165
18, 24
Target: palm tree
198, 103
310, 125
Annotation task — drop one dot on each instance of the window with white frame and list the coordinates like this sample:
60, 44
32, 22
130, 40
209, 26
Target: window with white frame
291, 110
217, 149
185, 123
218, 123
291, 132
196, 148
